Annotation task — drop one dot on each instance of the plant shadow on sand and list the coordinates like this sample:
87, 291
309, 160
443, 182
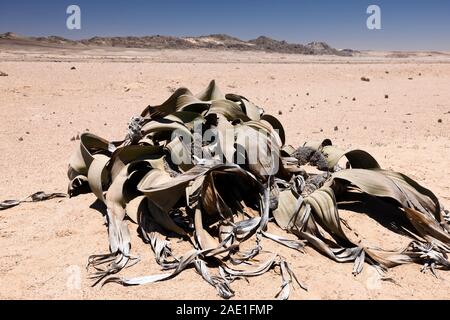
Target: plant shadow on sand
100, 207
375, 209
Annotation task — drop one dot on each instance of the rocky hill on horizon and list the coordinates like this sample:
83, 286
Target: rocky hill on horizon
213, 41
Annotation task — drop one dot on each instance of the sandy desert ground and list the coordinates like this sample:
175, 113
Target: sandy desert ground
44, 104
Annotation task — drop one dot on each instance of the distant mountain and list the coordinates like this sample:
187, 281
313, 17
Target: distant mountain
9, 35
213, 41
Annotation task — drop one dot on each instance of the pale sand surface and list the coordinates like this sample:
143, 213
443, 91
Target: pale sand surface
46, 104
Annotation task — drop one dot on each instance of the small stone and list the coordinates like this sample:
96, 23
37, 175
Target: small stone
387, 72
321, 130
410, 78
20, 139
365, 79
307, 93
386, 96
280, 112
336, 128
73, 68
72, 139
3, 74
105, 124
354, 99
439, 120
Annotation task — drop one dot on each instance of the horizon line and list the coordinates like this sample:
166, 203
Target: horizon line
20, 35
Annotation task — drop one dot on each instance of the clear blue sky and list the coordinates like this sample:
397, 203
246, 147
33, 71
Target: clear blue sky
406, 24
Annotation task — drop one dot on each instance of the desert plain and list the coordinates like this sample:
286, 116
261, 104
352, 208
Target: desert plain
49, 96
